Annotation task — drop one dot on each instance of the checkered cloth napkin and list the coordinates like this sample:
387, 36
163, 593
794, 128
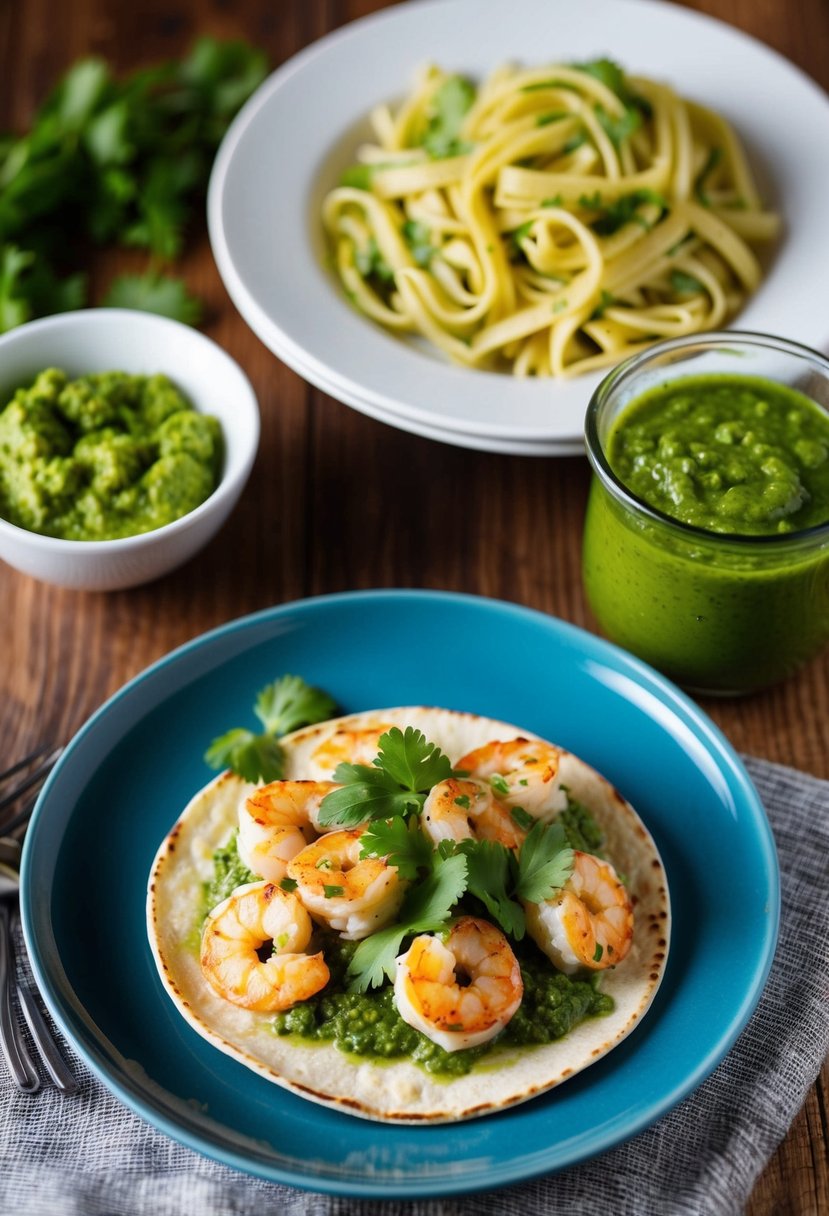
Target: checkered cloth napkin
89, 1156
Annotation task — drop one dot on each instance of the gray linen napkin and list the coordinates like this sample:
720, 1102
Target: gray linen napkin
89, 1156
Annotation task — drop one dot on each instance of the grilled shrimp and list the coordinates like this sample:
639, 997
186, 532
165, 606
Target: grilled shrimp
235, 932
589, 922
346, 746
276, 822
456, 809
462, 990
522, 772
354, 895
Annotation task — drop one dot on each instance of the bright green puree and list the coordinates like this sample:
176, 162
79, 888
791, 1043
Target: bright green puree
726, 453
104, 456
735, 456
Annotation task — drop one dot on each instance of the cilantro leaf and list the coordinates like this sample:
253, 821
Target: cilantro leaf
544, 863
359, 177
14, 307
624, 210
401, 842
621, 128
371, 264
489, 870
606, 300
252, 757
366, 793
396, 783
417, 235
613, 78
544, 120
426, 908
154, 293
289, 703
281, 707
685, 284
409, 758
449, 108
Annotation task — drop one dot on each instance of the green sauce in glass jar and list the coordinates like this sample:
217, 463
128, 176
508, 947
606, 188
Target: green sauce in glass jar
706, 547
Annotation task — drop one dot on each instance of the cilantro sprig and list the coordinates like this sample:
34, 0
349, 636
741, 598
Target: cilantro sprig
426, 908
282, 706
402, 842
501, 881
545, 862
395, 783
484, 869
613, 77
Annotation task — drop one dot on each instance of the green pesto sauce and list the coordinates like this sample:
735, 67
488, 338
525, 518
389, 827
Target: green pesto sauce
368, 1024
229, 872
580, 827
105, 456
726, 453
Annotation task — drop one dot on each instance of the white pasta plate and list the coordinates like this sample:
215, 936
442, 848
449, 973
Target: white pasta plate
485, 443
291, 141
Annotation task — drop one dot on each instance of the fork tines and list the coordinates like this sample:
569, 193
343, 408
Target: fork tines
46, 756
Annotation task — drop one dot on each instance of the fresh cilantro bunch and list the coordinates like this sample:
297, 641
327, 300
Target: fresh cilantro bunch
111, 161
389, 794
281, 707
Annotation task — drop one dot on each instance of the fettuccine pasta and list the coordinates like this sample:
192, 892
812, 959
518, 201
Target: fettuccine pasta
554, 221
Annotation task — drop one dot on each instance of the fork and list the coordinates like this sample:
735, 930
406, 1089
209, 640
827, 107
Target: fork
47, 756
11, 1039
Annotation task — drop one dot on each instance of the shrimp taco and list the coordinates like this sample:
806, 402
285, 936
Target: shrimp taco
431, 916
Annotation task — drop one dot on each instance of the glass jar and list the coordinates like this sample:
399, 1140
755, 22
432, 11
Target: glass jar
716, 612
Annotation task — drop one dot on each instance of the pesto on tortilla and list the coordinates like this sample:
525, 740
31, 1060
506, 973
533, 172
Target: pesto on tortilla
292, 1048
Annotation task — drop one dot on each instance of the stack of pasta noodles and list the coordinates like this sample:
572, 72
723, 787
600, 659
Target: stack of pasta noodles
551, 222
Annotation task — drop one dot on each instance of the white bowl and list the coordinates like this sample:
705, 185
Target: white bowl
107, 339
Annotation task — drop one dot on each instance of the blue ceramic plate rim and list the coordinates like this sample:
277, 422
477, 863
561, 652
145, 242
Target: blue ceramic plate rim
201, 1134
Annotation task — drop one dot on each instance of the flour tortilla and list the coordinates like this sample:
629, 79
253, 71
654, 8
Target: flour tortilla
400, 1091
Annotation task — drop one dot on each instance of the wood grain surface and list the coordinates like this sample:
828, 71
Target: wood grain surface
338, 501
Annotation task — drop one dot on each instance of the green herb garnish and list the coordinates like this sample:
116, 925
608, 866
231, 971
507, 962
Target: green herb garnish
395, 783
426, 908
449, 108
626, 210
613, 78
417, 236
685, 284
402, 842
281, 707
523, 818
621, 128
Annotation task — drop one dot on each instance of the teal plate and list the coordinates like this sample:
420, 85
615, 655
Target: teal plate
128, 773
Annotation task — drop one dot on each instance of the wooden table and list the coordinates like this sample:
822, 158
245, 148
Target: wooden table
335, 501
